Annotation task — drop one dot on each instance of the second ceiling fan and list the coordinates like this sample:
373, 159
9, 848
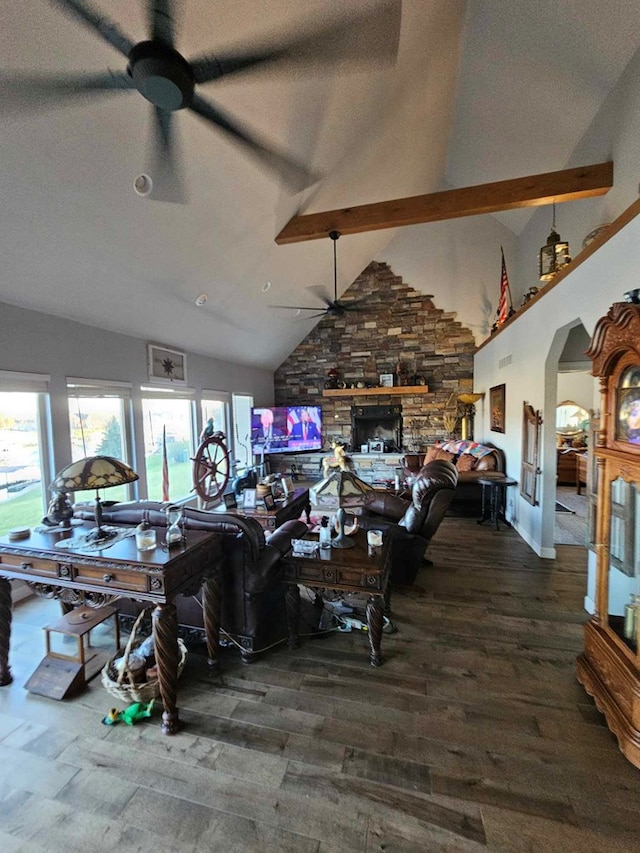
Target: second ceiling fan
333, 307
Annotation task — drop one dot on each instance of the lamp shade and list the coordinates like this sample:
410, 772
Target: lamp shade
469, 399
94, 472
341, 488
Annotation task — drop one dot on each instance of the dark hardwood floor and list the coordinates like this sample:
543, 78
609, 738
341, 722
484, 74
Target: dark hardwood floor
474, 734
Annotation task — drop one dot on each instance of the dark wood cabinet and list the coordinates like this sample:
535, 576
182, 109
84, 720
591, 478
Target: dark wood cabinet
567, 467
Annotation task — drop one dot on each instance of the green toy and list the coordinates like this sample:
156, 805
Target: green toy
133, 714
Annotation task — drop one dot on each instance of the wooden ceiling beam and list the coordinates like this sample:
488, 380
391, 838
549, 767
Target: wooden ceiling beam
531, 191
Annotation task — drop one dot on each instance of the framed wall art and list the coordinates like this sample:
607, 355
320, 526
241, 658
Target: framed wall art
167, 365
497, 408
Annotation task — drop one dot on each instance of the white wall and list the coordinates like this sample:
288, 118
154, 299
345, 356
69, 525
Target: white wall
529, 349
458, 262
32, 342
581, 388
613, 135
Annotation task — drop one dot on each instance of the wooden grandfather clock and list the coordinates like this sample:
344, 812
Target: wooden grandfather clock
609, 667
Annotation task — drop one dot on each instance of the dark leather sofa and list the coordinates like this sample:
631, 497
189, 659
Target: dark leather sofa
468, 497
411, 523
252, 596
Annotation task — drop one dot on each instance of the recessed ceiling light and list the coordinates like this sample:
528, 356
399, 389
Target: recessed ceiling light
200, 300
266, 286
143, 184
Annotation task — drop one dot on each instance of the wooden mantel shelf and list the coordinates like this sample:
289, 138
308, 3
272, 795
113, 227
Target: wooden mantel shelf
395, 391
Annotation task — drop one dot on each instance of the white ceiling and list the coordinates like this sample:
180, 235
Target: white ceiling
481, 91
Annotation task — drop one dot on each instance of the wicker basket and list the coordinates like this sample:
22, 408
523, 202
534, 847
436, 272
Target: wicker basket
121, 684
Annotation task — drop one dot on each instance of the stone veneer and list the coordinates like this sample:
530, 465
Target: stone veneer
395, 324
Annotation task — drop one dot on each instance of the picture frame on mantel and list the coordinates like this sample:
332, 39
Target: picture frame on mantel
386, 380
497, 408
167, 366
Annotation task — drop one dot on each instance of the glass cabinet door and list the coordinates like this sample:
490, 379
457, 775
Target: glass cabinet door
624, 561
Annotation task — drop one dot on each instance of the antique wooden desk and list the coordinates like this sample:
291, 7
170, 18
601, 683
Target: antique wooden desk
287, 509
78, 575
349, 570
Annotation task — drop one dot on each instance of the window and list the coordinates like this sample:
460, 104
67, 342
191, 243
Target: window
99, 414
241, 444
168, 423
215, 404
24, 472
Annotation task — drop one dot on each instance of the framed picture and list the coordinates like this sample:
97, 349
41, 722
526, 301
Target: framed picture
230, 501
386, 380
167, 365
376, 445
287, 485
497, 408
250, 499
269, 501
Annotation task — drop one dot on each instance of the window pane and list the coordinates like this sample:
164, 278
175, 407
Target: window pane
174, 416
22, 490
97, 429
217, 410
241, 443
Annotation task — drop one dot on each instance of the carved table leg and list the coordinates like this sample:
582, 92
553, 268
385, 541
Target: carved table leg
292, 601
5, 631
165, 638
374, 624
211, 602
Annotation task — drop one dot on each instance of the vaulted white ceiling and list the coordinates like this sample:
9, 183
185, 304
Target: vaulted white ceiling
481, 91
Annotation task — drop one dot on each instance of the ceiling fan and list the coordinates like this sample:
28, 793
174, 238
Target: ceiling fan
170, 82
334, 308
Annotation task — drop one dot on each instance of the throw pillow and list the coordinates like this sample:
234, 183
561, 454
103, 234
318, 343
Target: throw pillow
465, 462
434, 453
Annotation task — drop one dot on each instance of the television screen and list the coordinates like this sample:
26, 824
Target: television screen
286, 429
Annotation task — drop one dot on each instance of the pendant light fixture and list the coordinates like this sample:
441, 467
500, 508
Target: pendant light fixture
555, 254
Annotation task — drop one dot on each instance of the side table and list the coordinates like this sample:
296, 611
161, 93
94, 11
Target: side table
494, 499
347, 570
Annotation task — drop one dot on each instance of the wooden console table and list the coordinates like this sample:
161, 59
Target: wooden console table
287, 509
349, 570
78, 575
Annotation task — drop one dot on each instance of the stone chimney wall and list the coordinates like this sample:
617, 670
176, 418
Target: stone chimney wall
395, 325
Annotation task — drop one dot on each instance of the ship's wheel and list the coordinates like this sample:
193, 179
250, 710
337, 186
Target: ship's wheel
211, 468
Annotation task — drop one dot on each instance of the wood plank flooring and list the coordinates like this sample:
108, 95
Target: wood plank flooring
473, 736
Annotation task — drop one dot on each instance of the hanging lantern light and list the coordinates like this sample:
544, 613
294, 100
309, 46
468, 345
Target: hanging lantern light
555, 254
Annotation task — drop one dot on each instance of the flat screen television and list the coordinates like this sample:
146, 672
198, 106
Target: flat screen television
286, 429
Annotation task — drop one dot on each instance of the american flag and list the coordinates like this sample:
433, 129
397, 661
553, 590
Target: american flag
165, 466
504, 305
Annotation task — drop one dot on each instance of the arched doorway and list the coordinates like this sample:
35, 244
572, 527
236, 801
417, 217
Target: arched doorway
567, 372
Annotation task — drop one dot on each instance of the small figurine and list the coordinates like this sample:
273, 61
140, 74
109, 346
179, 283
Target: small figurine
59, 511
339, 460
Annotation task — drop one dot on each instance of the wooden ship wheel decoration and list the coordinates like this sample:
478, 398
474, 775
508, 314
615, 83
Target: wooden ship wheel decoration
211, 467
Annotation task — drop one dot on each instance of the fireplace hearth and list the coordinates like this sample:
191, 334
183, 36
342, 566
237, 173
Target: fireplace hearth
376, 423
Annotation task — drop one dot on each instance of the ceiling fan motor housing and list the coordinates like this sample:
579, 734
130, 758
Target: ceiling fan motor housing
161, 75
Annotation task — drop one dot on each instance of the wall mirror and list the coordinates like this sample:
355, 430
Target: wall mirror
572, 421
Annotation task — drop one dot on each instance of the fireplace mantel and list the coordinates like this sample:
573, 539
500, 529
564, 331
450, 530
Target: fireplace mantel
394, 391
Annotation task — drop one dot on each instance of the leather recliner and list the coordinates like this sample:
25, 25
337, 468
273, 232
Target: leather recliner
252, 608
411, 523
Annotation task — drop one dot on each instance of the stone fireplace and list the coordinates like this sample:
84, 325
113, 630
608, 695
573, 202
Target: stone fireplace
381, 423
396, 325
